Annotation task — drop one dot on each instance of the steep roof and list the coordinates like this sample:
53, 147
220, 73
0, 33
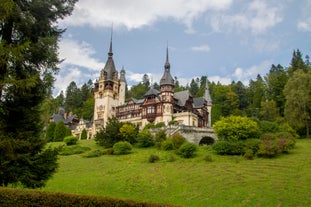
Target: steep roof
152, 91
198, 102
167, 77
110, 68
182, 97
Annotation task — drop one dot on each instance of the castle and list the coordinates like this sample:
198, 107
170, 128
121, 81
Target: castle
154, 107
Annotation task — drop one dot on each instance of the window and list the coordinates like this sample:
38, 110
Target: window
150, 110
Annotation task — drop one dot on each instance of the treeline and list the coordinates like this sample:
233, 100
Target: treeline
283, 93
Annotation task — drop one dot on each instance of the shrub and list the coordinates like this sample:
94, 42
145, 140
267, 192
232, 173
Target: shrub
167, 145
229, 148
121, 148
159, 137
24, 198
268, 126
249, 154
153, 158
145, 139
70, 140
177, 140
268, 148
108, 151
187, 150
84, 134
234, 128
252, 144
285, 144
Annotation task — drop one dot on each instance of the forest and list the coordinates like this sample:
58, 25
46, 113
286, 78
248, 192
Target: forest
283, 94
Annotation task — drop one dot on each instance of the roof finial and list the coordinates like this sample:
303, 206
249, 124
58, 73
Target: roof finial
110, 53
167, 64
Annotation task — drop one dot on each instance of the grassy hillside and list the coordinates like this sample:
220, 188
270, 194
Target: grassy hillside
226, 181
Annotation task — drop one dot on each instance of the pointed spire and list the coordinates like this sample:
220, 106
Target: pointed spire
110, 53
167, 64
167, 77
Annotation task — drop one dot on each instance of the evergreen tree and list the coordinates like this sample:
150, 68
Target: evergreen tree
28, 45
83, 134
275, 83
49, 135
59, 132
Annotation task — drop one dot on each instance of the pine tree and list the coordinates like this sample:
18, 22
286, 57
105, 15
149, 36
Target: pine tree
28, 60
59, 132
49, 135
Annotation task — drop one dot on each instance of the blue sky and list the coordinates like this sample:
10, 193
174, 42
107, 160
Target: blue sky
225, 40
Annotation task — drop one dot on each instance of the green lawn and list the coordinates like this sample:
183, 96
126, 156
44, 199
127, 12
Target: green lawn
226, 181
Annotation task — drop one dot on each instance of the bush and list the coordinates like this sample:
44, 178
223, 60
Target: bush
285, 144
249, 154
121, 148
24, 198
167, 145
145, 139
234, 128
153, 158
159, 137
252, 144
268, 148
177, 140
108, 151
229, 148
70, 140
187, 150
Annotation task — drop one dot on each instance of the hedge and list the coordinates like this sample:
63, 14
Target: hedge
24, 198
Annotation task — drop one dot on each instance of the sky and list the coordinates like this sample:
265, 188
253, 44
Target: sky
225, 40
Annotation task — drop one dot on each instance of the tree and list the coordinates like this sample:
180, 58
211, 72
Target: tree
129, 131
28, 60
73, 99
49, 135
109, 135
298, 101
83, 134
59, 132
276, 80
145, 138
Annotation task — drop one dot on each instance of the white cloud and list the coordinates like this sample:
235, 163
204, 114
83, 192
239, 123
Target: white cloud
304, 26
267, 45
304, 22
201, 48
138, 13
65, 77
244, 75
258, 16
222, 80
78, 54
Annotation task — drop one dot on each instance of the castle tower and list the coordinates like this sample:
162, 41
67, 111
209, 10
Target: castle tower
208, 99
167, 91
107, 93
